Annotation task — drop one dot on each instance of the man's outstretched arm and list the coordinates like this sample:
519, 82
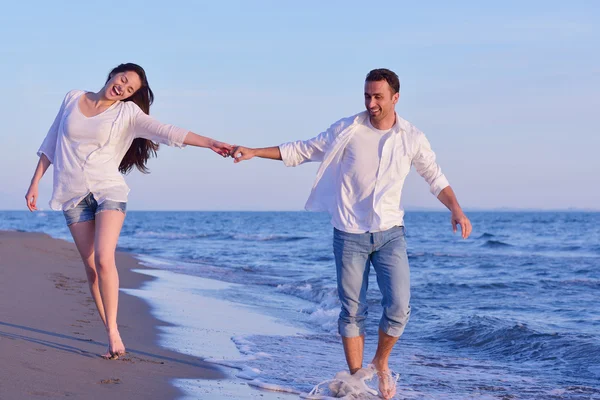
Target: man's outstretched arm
448, 198
297, 152
241, 153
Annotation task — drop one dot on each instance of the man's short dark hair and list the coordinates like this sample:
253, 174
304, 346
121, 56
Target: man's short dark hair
383, 74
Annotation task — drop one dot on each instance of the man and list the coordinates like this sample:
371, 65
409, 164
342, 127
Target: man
365, 159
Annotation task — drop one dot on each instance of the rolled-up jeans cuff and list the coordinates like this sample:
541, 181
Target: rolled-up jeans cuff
350, 330
391, 330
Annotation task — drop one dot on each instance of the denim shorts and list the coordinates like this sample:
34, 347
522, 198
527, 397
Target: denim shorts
88, 208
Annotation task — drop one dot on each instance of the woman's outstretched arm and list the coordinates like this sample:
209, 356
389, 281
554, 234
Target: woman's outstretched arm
220, 148
150, 128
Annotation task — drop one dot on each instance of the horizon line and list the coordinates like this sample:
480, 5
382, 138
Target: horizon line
408, 209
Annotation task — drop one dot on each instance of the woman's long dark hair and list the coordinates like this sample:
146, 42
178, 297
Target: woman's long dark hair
141, 149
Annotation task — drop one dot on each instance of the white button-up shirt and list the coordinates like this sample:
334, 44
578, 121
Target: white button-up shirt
405, 146
86, 151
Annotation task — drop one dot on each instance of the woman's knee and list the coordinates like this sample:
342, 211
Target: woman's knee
90, 268
104, 261
92, 275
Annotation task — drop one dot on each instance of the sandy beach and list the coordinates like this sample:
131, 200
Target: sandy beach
51, 336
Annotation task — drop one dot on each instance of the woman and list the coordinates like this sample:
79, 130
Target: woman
95, 138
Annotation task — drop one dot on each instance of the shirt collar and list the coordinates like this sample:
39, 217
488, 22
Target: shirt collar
398, 126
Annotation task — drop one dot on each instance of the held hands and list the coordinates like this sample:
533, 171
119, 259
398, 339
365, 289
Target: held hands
241, 153
459, 218
238, 153
222, 149
31, 197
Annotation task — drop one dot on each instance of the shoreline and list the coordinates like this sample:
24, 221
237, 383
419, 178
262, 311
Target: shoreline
51, 336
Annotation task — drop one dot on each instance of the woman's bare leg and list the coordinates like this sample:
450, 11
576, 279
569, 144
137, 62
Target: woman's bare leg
108, 229
83, 234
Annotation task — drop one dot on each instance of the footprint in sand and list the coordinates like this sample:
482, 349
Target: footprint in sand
144, 360
110, 381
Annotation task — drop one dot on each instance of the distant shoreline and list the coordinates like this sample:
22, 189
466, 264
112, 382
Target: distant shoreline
408, 210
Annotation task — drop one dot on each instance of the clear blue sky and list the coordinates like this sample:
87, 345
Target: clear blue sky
508, 94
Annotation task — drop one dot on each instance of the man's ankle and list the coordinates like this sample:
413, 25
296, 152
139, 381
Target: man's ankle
354, 370
379, 364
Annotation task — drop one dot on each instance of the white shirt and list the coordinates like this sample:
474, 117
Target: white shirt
86, 152
405, 146
359, 167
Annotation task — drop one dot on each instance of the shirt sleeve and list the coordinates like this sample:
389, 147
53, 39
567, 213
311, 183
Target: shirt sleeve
424, 162
48, 146
146, 127
302, 151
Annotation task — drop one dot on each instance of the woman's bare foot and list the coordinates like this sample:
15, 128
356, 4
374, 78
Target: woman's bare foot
387, 382
116, 348
109, 356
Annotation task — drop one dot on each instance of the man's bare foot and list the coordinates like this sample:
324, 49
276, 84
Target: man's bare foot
387, 382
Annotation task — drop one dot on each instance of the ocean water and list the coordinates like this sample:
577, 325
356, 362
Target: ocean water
511, 313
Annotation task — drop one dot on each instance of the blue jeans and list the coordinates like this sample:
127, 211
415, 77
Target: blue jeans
87, 209
354, 254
